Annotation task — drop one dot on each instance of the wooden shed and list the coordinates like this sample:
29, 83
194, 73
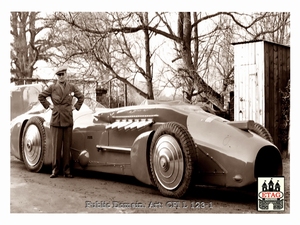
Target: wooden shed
261, 72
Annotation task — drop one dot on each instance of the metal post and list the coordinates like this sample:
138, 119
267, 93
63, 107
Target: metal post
125, 94
109, 97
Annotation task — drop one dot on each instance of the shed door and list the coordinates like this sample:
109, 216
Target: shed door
254, 98
248, 95
248, 83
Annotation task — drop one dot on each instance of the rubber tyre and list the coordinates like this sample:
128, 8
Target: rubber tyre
34, 144
172, 160
262, 131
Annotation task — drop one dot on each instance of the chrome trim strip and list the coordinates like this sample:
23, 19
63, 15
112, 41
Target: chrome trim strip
112, 148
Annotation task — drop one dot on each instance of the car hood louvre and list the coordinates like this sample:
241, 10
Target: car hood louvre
130, 124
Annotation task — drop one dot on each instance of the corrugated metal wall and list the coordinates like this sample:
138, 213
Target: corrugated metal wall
261, 70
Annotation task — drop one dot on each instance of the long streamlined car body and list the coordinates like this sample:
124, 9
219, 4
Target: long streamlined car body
170, 145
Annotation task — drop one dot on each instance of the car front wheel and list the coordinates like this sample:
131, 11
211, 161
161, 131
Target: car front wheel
172, 159
34, 144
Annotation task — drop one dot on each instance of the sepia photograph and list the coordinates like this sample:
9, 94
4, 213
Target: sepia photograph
148, 112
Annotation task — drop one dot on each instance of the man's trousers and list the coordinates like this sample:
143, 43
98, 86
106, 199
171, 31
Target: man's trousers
61, 140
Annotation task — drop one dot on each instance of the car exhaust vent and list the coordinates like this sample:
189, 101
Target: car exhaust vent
268, 162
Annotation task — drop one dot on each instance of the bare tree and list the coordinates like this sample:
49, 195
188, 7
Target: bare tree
198, 50
212, 50
274, 27
115, 52
28, 45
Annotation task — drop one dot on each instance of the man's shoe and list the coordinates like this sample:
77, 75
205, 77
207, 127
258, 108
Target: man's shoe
68, 175
53, 175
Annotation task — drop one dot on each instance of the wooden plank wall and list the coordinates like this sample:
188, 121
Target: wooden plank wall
277, 74
261, 70
249, 82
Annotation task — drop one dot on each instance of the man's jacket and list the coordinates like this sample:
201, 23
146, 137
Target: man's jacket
61, 97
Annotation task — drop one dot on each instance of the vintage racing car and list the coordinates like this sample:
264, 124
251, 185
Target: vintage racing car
170, 145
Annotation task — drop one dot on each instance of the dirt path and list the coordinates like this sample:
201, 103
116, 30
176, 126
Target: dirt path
103, 193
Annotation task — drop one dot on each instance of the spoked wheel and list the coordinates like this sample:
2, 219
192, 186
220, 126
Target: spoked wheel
34, 144
172, 159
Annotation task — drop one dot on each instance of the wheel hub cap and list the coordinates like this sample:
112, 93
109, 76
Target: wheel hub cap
164, 163
32, 145
168, 162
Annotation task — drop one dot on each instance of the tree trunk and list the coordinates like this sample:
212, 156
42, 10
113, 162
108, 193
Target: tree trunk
149, 74
185, 33
24, 55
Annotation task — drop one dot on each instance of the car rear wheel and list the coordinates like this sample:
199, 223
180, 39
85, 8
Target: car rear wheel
34, 144
172, 159
262, 131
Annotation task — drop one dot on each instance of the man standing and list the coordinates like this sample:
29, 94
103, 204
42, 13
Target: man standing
61, 124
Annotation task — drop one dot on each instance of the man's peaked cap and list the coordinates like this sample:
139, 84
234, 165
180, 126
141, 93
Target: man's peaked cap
61, 69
